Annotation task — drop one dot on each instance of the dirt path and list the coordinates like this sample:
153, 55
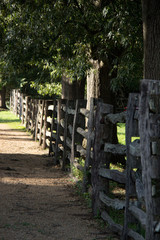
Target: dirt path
38, 202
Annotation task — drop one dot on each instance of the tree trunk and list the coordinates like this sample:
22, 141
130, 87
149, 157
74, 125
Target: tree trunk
105, 84
99, 86
3, 97
93, 82
151, 35
72, 90
99, 81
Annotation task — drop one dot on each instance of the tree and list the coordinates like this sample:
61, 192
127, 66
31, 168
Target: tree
3, 97
64, 37
151, 36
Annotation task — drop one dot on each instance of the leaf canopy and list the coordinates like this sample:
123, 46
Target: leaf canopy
42, 39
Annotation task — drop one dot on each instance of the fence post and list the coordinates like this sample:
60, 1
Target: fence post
26, 112
51, 149
56, 161
150, 154
65, 136
45, 123
36, 131
10, 100
16, 101
89, 145
131, 131
41, 123
35, 117
72, 159
102, 131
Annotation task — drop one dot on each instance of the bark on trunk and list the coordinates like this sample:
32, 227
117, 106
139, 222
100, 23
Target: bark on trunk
99, 82
98, 86
93, 82
72, 90
3, 98
151, 35
105, 84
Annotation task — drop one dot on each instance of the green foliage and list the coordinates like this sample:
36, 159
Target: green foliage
47, 89
76, 172
42, 40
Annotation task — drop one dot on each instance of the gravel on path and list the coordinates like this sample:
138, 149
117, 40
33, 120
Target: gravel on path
38, 202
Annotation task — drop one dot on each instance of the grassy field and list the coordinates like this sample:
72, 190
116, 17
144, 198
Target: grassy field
7, 117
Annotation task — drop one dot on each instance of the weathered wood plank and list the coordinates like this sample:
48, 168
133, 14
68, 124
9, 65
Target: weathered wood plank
115, 148
89, 151
48, 133
26, 112
155, 169
49, 120
114, 203
155, 201
52, 145
115, 118
139, 189
154, 130
118, 228
157, 227
145, 156
113, 226
51, 107
45, 123
134, 235
102, 131
61, 138
47, 142
82, 132
85, 112
65, 137
69, 142
62, 123
70, 128
134, 148
59, 115
114, 175
41, 123
139, 214
81, 150
131, 108
69, 110
73, 150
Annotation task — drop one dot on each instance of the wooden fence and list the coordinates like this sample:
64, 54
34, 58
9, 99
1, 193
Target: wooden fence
72, 133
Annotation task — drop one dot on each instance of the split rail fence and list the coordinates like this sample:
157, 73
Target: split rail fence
128, 197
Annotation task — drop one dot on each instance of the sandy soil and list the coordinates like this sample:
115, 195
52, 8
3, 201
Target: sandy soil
38, 202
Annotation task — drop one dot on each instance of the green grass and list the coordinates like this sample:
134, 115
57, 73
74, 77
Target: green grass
7, 117
121, 133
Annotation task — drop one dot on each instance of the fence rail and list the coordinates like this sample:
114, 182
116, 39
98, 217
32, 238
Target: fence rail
71, 132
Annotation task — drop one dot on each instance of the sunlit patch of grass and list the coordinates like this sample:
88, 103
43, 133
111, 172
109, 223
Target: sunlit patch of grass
118, 167
7, 117
121, 133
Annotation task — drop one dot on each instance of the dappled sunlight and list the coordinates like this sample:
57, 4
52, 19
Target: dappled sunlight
35, 181
119, 191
